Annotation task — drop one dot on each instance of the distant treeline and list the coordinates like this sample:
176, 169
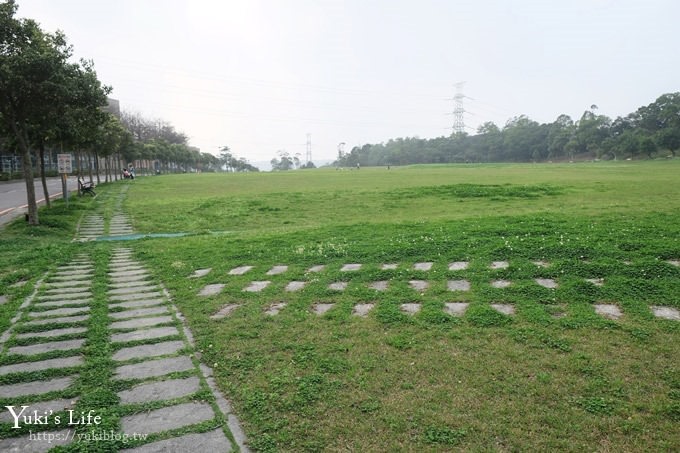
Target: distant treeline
650, 131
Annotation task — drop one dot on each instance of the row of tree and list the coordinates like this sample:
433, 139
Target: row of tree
647, 132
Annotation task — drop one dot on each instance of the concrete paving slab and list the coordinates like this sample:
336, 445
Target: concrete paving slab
135, 296
501, 283
362, 310
167, 418
350, 267
53, 333
139, 312
148, 350
541, 263
137, 303
64, 278
153, 368
198, 273
380, 285
596, 281
275, 308
212, 441
675, 263
256, 287
295, 286
58, 320
320, 309
418, 285
276, 270
338, 286
159, 391
666, 312
63, 273
119, 274
134, 289
41, 407
25, 367
458, 265
35, 387
389, 266
458, 285
499, 265
61, 303
146, 334
39, 442
132, 284
39, 348
456, 308
3, 300
609, 311
505, 309
65, 296
129, 278
212, 289
240, 270
547, 283
59, 312
422, 266
225, 311
141, 322
410, 308
67, 284
317, 268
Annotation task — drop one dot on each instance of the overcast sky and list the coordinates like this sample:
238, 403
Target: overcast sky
258, 76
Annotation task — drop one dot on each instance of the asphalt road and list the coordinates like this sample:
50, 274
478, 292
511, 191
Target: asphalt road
13, 195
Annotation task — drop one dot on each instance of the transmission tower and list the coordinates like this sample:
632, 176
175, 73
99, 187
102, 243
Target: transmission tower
458, 110
308, 155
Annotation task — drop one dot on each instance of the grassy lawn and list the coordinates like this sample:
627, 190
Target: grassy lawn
553, 376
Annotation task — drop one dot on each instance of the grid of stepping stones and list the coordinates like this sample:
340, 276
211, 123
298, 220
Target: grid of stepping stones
160, 398
277, 279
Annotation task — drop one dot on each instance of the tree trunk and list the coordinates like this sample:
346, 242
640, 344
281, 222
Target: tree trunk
96, 166
42, 174
28, 175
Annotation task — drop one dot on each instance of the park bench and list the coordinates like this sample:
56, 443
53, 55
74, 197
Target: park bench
85, 187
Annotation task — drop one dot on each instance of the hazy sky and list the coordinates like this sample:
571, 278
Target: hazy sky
258, 76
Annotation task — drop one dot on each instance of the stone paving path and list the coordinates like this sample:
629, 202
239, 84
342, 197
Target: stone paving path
94, 225
161, 386
609, 311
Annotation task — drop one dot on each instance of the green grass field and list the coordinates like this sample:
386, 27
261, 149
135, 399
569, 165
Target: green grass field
554, 376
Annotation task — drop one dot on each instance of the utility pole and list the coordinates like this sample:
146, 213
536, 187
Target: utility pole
458, 110
308, 156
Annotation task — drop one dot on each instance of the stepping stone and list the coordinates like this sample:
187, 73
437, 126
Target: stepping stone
276, 270
317, 268
19, 284
141, 322
295, 286
501, 283
68, 284
126, 267
381, 285
53, 333
147, 334
338, 286
159, 391
139, 312
225, 311
505, 309
458, 265
63, 278
388, 267
167, 418
320, 309
130, 297
499, 265
154, 368
674, 262
666, 312
362, 309
547, 283
198, 273
58, 312
74, 273
38, 443
456, 308
3, 300
410, 309
596, 281
41, 407
422, 266
63, 296
61, 303
458, 285
138, 303
240, 270
256, 287
274, 309
350, 267
210, 441
34, 387
25, 367
130, 279
148, 350
134, 289
39, 348
61, 320
541, 263
609, 311
418, 285
133, 284
119, 274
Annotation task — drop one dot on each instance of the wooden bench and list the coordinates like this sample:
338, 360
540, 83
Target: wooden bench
85, 187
